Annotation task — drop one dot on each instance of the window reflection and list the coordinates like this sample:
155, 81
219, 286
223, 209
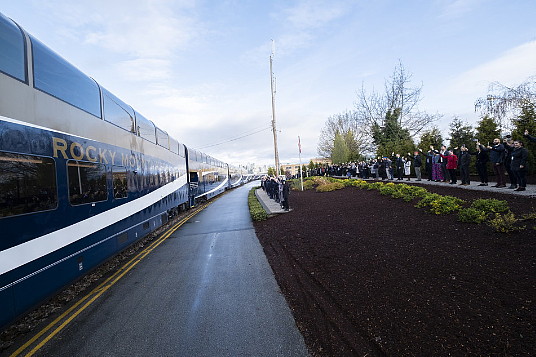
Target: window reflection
87, 182
27, 184
119, 178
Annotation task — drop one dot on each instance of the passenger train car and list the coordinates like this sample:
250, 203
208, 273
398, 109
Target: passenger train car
82, 174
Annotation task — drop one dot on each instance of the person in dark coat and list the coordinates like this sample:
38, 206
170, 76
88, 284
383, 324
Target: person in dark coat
417, 164
530, 138
496, 156
464, 161
509, 147
286, 190
482, 159
443, 160
519, 164
399, 163
429, 164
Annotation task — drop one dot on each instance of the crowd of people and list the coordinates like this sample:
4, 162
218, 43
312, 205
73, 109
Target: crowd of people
443, 165
277, 189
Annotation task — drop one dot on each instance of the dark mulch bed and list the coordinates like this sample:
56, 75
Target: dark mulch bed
366, 274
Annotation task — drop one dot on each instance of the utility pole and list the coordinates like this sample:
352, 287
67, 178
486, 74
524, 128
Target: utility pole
274, 130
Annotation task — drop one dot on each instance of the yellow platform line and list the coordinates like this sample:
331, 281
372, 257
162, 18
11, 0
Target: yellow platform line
99, 290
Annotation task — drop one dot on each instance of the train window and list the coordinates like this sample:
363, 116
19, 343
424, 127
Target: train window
117, 112
87, 182
119, 179
145, 128
182, 150
173, 145
12, 43
162, 138
27, 184
59, 78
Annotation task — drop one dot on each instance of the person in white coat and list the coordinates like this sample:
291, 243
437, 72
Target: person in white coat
407, 168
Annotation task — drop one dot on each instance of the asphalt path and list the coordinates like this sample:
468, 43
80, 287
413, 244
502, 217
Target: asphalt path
208, 290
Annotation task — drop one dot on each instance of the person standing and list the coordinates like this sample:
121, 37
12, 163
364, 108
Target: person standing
407, 167
443, 160
285, 204
452, 165
399, 163
482, 159
417, 164
437, 172
464, 161
519, 164
496, 156
429, 164
509, 148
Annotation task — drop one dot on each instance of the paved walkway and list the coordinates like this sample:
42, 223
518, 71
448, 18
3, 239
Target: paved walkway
207, 290
269, 205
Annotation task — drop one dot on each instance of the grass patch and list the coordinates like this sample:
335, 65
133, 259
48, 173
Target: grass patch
256, 210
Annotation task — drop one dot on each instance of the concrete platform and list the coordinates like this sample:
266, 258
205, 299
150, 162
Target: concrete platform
270, 206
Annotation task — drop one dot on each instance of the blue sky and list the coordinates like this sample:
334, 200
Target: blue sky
200, 69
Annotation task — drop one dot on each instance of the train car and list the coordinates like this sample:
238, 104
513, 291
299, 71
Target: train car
236, 176
82, 174
207, 176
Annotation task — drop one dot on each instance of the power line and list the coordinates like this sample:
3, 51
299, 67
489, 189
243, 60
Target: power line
236, 138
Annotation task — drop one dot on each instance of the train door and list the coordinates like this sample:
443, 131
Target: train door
193, 187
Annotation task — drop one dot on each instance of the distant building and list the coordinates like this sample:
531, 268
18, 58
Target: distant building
292, 169
321, 161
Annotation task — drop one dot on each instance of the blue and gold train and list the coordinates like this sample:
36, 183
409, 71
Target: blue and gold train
82, 174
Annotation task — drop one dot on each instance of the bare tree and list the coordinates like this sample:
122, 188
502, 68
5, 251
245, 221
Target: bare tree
346, 125
372, 107
502, 101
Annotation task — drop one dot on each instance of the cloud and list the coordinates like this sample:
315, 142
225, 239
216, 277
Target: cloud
458, 96
510, 68
153, 29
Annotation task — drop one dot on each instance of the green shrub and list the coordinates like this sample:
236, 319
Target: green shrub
529, 216
472, 215
348, 183
375, 185
308, 185
505, 223
441, 204
410, 192
427, 200
330, 187
256, 210
387, 189
361, 184
490, 205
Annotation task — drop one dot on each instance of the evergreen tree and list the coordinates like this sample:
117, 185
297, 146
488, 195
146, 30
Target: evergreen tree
392, 137
460, 134
341, 152
430, 137
487, 130
526, 121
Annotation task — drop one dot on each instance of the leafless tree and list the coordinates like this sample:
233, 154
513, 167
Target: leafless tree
398, 94
503, 101
348, 126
